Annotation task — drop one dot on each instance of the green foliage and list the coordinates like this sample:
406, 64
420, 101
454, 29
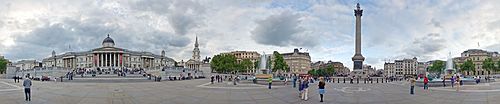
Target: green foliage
312, 72
488, 65
3, 65
329, 71
224, 63
268, 63
498, 66
467, 66
256, 64
437, 66
246, 65
279, 63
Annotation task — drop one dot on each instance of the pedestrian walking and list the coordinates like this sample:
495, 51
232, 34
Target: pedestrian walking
294, 81
212, 79
321, 88
352, 79
444, 84
457, 82
426, 81
306, 89
452, 81
477, 79
27, 88
270, 81
412, 85
301, 87
286, 80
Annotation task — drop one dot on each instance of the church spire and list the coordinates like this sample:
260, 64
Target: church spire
196, 50
196, 42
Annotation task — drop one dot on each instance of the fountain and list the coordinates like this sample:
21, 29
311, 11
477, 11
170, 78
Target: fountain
263, 71
263, 63
448, 72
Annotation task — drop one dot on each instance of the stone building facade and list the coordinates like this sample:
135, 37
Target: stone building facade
339, 67
477, 56
108, 56
299, 62
402, 68
27, 64
242, 55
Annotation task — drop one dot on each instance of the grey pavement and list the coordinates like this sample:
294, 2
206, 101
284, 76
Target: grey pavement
193, 92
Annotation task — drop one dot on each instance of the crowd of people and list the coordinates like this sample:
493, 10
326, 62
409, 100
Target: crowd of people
221, 78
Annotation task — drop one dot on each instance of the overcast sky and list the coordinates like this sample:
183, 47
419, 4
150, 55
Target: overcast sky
391, 29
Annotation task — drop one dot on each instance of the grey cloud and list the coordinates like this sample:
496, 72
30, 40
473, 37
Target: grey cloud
494, 47
182, 15
426, 45
87, 34
157, 6
282, 30
494, 25
435, 23
161, 38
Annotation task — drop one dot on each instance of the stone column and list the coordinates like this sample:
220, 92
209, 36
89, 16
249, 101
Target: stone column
106, 59
116, 60
101, 56
98, 60
101, 60
109, 60
111, 64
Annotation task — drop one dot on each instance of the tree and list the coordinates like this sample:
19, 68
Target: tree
488, 65
279, 63
246, 65
330, 70
224, 63
498, 66
437, 66
321, 72
256, 64
3, 65
467, 66
312, 72
216, 63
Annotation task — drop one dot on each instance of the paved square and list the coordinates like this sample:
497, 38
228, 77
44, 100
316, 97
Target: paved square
192, 92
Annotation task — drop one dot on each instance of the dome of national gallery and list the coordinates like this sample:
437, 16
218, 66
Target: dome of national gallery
108, 42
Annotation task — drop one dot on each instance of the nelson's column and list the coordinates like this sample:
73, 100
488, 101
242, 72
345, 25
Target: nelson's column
358, 58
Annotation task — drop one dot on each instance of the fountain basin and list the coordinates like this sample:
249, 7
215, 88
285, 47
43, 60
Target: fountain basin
439, 82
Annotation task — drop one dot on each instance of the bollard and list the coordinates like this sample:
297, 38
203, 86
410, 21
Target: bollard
364, 80
338, 80
377, 80
357, 80
371, 80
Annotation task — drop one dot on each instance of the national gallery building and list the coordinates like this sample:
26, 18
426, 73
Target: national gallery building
108, 56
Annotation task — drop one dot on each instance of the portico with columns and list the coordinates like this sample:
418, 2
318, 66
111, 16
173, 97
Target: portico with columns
108, 56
